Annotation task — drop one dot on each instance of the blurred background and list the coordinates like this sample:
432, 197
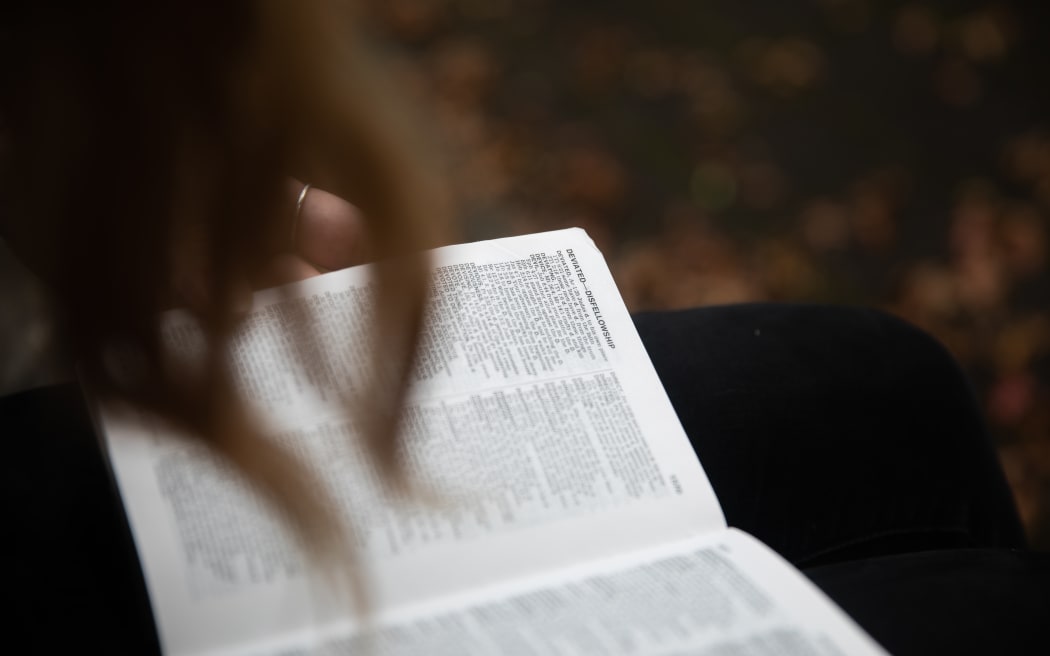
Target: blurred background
872, 152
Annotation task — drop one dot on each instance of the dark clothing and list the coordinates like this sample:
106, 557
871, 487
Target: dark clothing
980, 601
851, 443
77, 585
845, 439
831, 433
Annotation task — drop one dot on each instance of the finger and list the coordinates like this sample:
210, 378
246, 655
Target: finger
330, 232
284, 269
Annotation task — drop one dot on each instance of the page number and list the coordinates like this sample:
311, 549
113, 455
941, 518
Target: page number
676, 484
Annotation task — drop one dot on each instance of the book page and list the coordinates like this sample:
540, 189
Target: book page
536, 424
722, 593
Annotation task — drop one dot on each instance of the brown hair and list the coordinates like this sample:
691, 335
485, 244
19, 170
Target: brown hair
149, 141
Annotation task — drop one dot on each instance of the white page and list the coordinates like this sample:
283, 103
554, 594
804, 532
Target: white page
529, 357
717, 594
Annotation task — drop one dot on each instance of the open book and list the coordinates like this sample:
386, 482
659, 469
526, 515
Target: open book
572, 516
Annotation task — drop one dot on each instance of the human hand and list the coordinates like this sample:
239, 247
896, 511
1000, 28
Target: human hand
322, 233
328, 233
